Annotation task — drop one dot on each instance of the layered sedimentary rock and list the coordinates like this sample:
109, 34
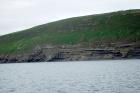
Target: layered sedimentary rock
51, 53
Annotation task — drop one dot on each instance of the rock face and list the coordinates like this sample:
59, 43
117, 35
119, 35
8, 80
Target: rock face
75, 53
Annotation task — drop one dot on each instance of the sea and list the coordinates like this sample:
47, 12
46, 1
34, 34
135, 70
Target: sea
104, 76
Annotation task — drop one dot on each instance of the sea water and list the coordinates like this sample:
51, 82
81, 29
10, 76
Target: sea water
110, 76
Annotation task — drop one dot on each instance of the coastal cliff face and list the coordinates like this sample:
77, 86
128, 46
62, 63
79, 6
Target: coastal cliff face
49, 53
114, 35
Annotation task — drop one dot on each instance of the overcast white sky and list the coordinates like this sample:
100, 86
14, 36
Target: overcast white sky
16, 15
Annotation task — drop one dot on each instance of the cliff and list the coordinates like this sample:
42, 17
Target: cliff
114, 35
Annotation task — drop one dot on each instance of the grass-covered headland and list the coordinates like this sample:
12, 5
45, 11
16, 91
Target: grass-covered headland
121, 26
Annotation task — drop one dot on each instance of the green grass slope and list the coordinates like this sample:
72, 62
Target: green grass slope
121, 26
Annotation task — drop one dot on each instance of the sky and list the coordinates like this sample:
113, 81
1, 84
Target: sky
16, 15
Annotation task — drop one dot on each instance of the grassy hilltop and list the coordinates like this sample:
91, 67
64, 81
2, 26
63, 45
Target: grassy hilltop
121, 26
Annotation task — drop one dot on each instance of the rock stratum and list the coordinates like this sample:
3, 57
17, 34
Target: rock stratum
114, 35
75, 53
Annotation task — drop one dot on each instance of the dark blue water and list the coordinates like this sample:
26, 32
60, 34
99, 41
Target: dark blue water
119, 76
